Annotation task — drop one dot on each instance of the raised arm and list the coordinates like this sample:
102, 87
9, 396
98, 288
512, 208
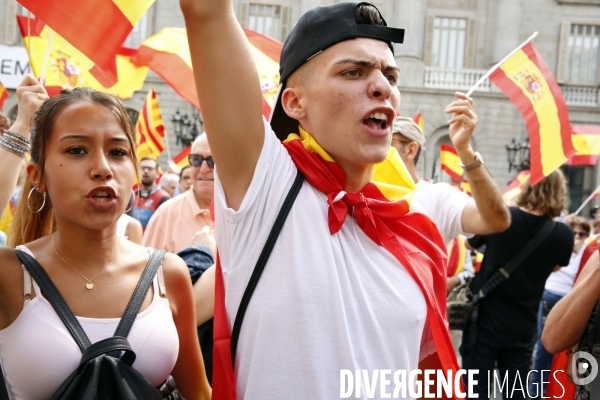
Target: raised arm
229, 92
30, 95
487, 213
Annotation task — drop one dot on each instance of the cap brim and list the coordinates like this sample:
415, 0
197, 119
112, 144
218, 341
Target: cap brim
281, 123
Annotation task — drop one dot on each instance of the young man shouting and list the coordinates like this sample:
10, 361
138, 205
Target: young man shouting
355, 281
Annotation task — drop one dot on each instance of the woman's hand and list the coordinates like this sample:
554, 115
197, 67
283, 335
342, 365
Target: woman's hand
30, 96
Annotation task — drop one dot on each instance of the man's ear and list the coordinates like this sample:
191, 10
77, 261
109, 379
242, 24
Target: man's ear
292, 104
413, 150
35, 176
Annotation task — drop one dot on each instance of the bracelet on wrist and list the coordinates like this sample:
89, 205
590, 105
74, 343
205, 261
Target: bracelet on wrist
13, 148
15, 137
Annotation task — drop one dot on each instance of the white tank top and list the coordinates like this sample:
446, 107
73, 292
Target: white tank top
37, 353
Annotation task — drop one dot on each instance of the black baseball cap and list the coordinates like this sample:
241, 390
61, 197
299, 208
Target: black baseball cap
317, 30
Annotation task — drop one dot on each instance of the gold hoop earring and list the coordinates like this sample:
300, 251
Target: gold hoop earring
29, 196
132, 201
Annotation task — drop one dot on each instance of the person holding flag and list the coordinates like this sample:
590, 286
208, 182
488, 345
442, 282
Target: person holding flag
339, 290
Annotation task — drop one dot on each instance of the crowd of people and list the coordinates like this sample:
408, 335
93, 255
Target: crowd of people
332, 251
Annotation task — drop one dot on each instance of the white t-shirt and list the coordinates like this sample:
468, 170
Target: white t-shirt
324, 302
444, 205
561, 281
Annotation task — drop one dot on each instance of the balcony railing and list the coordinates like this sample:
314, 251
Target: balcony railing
580, 95
455, 78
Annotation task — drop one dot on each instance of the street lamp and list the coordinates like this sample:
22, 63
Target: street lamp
518, 155
185, 128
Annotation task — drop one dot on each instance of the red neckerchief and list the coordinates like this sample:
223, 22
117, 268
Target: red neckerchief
411, 237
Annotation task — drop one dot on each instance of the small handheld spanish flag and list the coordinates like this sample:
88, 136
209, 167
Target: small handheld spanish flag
450, 162
3, 95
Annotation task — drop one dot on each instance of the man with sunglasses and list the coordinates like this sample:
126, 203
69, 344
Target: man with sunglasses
175, 223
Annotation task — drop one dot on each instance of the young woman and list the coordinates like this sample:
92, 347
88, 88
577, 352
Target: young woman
83, 166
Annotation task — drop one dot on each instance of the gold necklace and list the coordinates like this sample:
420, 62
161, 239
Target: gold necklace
89, 284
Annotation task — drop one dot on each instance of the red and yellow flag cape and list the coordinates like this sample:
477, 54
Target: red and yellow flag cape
529, 84
382, 210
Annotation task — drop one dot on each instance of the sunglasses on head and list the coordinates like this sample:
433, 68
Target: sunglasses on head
196, 160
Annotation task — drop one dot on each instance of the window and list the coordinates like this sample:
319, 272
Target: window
582, 54
449, 42
139, 33
579, 180
449, 39
268, 19
579, 54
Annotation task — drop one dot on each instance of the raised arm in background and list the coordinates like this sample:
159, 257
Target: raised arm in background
488, 213
30, 96
229, 92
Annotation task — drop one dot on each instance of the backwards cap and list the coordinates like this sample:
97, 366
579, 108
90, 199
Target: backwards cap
317, 30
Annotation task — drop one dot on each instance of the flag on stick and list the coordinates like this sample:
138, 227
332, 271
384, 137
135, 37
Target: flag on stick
419, 120
67, 67
586, 140
181, 159
97, 28
167, 54
592, 196
450, 162
3, 95
528, 82
515, 187
149, 129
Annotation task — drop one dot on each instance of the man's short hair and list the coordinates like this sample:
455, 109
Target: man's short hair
166, 179
151, 159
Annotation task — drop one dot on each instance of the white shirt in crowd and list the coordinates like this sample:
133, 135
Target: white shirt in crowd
561, 281
444, 205
324, 302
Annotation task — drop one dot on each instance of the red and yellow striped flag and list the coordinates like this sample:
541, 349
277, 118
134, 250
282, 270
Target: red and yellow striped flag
515, 187
527, 81
168, 54
3, 95
419, 120
450, 162
68, 68
586, 140
466, 187
181, 159
97, 28
149, 129
457, 252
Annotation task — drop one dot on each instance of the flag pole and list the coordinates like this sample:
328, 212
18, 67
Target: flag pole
168, 148
46, 57
590, 197
495, 67
29, 38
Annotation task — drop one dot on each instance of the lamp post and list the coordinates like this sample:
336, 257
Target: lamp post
517, 155
185, 128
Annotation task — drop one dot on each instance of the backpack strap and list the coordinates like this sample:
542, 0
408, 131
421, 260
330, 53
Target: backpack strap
56, 300
503, 273
262, 260
135, 303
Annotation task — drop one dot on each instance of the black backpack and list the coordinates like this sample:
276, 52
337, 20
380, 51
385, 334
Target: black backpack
105, 370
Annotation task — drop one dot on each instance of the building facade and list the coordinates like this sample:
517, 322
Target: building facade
448, 46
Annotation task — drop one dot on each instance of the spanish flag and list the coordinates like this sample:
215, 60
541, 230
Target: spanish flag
419, 120
181, 159
515, 187
3, 95
527, 81
457, 253
450, 162
97, 28
466, 187
68, 68
586, 139
149, 129
168, 54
